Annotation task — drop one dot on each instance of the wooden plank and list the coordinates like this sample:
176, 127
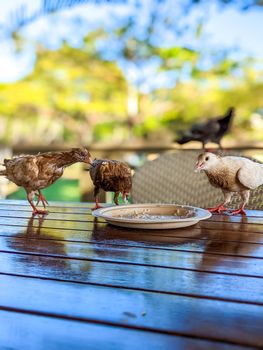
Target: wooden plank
201, 229
55, 203
31, 332
253, 213
253, 216
233, 226
51, 208
165, 280
171, 237
130, 270
244, 219
88, 225
241, 249
86, 222
80, 206
85, 215
238, 243
176, 315
73, 225
133, 255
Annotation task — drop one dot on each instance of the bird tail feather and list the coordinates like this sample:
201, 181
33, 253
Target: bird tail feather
228, 115
184, 139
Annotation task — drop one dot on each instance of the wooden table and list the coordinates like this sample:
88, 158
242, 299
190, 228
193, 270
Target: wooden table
70, 283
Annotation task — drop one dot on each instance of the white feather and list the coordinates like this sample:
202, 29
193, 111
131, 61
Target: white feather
249, 173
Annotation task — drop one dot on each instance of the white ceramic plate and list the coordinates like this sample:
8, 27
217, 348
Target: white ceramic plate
152, 216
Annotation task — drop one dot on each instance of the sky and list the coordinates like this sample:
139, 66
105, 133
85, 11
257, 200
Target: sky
224, 28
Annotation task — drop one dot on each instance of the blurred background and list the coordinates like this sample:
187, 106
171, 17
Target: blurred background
126, 78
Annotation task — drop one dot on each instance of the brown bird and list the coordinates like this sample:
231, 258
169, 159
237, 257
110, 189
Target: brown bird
111, 176
231, 174
35, 172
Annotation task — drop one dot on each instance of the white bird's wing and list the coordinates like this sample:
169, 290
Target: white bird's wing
251, 174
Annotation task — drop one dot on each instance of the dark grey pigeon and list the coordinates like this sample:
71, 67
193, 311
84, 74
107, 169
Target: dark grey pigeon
211, 131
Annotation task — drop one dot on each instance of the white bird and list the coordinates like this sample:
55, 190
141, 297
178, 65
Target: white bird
231, 174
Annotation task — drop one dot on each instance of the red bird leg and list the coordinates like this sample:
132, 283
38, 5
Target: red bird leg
97, 205
218, 209
35, 210
116, 195
239, 211
96, 194
245, 198
42, 199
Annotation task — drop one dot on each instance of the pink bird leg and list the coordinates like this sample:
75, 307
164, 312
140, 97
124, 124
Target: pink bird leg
218, 209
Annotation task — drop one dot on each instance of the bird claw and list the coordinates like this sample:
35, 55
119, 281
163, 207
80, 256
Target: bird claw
97, 206
217, 209
238, 211
40, 212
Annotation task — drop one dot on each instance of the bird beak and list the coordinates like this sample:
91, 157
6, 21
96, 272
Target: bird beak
88, 159
199, 166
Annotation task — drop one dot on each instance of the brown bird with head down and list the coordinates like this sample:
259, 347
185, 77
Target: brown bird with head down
111, 176
231, 174
35, 172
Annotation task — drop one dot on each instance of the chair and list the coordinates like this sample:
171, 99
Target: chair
171, 179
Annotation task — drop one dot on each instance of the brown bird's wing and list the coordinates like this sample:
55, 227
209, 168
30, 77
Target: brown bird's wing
50, 168
23, 170
119, 169
109, 168
33, 172
122, 176
110, 175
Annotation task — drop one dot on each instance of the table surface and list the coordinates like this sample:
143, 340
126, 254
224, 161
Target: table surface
69, 282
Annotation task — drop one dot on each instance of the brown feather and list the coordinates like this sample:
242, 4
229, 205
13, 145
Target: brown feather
111, 175
225, 179
35, 172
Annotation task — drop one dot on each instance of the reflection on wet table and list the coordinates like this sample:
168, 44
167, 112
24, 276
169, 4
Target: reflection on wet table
68, 278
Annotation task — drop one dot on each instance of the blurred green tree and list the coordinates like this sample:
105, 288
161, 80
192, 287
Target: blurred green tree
127, 79
69, 92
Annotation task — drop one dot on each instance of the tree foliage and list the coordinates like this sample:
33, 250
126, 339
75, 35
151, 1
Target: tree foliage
82, 94
69, 91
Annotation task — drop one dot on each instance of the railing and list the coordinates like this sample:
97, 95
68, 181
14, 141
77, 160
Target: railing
139, 147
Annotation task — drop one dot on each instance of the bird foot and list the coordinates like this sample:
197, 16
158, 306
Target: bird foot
217, 209
40, 212
97, 206
238, 211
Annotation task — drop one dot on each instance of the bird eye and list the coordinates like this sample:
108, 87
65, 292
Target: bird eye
207, 158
